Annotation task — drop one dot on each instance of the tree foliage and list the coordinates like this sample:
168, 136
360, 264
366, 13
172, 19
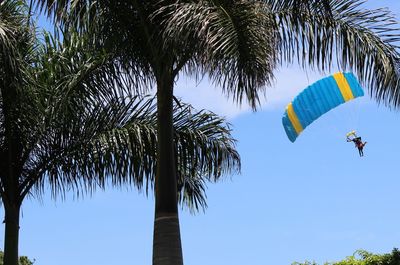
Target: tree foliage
23, 260
238, 45
362, 257
79, 124
70, 120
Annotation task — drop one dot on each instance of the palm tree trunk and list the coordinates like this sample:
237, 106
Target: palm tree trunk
11, 221
167, 249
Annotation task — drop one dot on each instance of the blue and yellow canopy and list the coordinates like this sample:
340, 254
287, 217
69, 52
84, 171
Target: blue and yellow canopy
317, 99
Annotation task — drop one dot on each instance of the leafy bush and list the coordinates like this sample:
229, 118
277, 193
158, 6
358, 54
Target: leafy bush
362, 257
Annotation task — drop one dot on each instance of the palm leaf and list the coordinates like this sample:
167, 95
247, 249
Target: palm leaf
11, 19
233, 41
349, 36
87, 130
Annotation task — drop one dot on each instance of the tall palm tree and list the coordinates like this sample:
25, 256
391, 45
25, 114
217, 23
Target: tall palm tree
238, 44
67, 122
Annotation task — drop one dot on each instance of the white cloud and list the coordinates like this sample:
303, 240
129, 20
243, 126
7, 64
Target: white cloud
204, 95
289, 82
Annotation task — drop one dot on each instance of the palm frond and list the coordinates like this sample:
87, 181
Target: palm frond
80, 154
111, 25
59, 10
76, 86
12, 21
17, 50
349, 36
235, 43
83, 128
205, 150
115, 143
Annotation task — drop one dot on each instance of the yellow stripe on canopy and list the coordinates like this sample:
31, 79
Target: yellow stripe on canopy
294, 119
343, 86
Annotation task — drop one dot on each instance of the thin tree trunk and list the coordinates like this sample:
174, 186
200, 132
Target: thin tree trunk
167, 249
11, 221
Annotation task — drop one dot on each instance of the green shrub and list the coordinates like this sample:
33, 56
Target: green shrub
362, 257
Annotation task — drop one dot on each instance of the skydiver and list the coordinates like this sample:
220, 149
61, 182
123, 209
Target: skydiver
358, 143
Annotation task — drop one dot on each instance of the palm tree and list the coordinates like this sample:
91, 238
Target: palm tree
238, 45
66, 122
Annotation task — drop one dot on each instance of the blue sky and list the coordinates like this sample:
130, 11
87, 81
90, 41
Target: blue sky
314, 199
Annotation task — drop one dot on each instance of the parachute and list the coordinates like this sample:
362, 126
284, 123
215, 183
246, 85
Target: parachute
317, 99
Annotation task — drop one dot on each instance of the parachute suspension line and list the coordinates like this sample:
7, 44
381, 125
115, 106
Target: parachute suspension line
345, 120
355, 113
339, 126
